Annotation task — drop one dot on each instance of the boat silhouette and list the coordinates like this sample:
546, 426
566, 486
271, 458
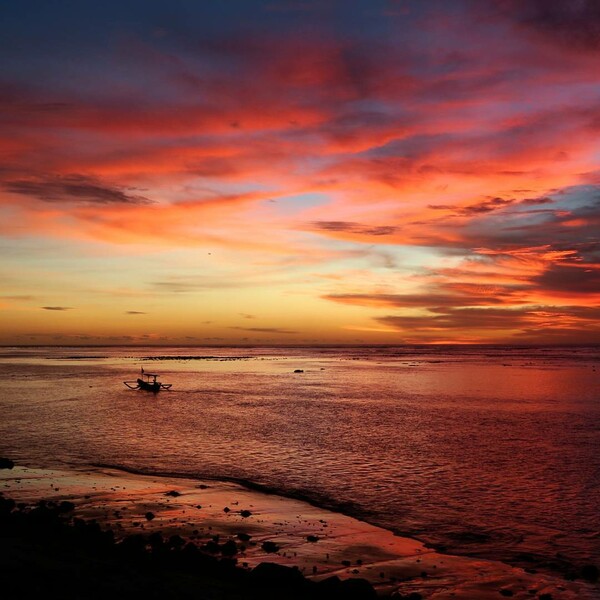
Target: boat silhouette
148, 382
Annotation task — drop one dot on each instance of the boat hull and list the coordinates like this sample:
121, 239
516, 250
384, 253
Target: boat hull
148, 386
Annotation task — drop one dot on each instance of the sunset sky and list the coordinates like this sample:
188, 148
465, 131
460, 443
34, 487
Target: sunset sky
296, 172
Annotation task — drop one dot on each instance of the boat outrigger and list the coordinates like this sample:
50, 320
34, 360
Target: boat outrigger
148, 382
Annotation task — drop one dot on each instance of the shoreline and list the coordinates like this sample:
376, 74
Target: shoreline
281, 529
557, 566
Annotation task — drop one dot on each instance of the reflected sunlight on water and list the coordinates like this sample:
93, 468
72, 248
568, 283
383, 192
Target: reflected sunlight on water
486, 451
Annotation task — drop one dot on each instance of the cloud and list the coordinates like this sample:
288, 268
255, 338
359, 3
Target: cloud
573, 25
72, 188
570, 279
135, 312
59, 308
464, 295
266, 330
351, 227
536, 324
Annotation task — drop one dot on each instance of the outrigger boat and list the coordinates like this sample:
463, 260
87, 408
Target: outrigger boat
148, 382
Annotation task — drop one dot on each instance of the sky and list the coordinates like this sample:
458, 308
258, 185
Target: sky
299, 172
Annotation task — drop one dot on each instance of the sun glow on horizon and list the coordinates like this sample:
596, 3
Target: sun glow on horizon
268, 174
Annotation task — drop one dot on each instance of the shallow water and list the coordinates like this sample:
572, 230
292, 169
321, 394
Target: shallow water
491, 452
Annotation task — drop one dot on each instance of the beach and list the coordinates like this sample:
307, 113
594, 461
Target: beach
226, 520
426, 470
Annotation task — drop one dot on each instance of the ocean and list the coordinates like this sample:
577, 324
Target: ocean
484, 451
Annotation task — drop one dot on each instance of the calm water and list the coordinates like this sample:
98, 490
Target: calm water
487, 451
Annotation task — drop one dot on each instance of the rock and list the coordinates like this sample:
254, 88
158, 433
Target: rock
329, 588
272, 574
245, 513
156, 540
176, 541
66, 506
312, 538
212, 547
226, 509
7, 505
149, 516
229, 548
173, 493
545, 597
270, 547
6, 463
299, 371
590, 572
506, 593
357, 589
243, 537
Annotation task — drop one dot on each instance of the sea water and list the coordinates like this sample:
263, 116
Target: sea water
485, 451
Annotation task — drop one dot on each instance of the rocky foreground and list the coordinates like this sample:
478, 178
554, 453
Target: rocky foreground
99, 532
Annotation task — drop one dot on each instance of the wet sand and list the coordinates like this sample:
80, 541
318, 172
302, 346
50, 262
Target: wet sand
270, 528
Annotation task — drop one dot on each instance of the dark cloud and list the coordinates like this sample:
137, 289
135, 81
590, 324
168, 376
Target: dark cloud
473, 295
574, 24
265, 329
193, 284
490, 205
538, 321
463, 318
135, 312
351, 227
56, 307
72, 188
474, 209
569, 279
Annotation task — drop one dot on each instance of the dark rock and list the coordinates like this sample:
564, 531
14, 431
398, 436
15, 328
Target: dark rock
156, 540
272, 574
270, 547
229, 548
7, 505
149, 516
346, 563
6, 463
66, 506
545, 597
133, 545
176, 541
173, 493
312, 538
329, 588
590, 572
212, 547
506, 593
245, 513
299, 371
355, 589
226, 509
244, 537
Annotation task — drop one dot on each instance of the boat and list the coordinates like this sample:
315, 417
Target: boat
148, 382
